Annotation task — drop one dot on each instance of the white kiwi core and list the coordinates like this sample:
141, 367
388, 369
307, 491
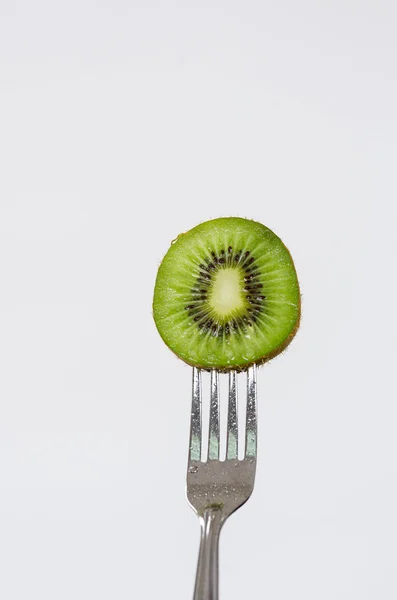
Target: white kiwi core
227, 292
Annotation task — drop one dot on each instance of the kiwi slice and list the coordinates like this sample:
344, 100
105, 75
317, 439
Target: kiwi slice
227, 295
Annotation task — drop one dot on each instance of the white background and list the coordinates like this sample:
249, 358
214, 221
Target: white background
123, 123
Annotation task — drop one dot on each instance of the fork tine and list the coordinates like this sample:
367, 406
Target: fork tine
232, 427
213, 449
195, 417
251, 427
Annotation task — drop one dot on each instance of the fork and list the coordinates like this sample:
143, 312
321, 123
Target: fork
215, 489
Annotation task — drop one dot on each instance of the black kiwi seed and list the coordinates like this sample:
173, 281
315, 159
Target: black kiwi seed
195, 312
214, 257
253, 286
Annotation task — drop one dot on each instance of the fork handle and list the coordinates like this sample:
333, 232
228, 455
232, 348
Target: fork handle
207, 576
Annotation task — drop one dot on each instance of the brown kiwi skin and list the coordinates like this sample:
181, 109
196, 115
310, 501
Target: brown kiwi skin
260, 361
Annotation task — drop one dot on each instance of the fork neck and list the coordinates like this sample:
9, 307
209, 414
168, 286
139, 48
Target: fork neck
211, 520
207, 585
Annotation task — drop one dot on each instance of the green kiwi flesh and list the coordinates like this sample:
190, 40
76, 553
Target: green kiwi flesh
227, 295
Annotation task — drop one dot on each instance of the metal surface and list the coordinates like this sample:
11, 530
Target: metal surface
215, 489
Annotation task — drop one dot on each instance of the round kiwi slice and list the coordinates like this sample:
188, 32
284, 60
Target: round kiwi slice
227, 295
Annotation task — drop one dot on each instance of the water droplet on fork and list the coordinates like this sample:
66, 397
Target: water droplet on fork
193, 469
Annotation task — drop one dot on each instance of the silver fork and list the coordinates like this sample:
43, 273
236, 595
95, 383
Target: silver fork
215, 489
